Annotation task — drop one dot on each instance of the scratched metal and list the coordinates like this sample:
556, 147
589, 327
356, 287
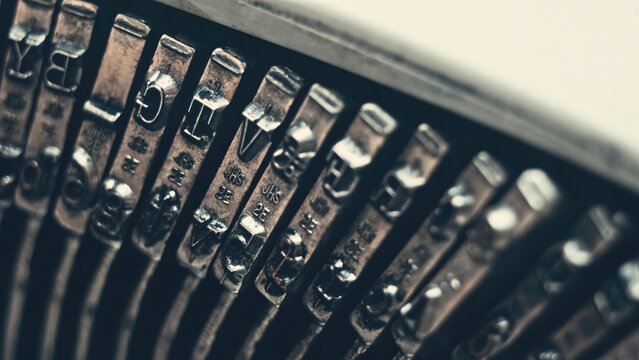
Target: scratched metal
211, 220
421, 157
412, 170
216, 89
19, 81
44, 146
120, 191
100, 115
348, 159
263, 117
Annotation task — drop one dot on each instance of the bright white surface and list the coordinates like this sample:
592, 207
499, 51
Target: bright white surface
580, 58
560, 75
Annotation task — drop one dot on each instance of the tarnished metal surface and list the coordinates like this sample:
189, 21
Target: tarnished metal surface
616, 302
214, 92
436, 237
420, 158
120, 191
100, 114
240, 168
514, 83
52, 114
559, 269
348, 161
19, 81
276, 187
475, 267
184, 160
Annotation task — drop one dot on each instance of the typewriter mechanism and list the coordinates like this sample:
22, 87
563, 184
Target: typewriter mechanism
285, 179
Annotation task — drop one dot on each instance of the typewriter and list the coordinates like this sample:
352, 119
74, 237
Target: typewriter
286, 179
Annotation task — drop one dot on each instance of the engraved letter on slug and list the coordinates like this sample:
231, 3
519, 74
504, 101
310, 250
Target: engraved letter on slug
25, 50
292, 157
64, 70
158, 89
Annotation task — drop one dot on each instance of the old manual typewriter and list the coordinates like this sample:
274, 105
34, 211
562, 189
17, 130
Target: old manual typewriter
288, 179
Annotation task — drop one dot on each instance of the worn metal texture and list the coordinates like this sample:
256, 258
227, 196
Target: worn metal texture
55, 102
240, 169
474, 268
215, 91
560, 268
276, 187
120, 192
349, 160
412, 170
28, 38
435, 238
513, 83
614, 303
99, 117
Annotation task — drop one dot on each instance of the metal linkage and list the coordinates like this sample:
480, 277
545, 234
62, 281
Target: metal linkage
101, 116
614, 304
120, 192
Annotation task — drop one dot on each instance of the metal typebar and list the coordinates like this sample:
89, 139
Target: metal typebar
350, 161
101, 116
421, 157
163, 205
437, 237
496, 241
563, 267
121, 190
52, 114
